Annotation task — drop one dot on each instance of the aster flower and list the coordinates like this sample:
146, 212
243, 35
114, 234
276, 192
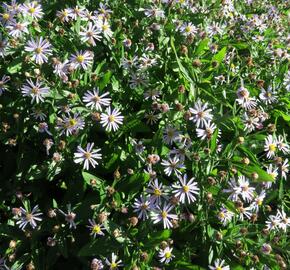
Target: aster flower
188, 29
215, 29
151, 118
201, 114
225, 216
172, 165
3, 82
114, 263
270, 146
111, 119
258, 201
138, 80
95, 101
244, 189
70, 124
244, 99
17, 29
64, 15
96, 229
284, 169
40, 49
170, 134
96, 264
157, 192
207, 131
32, 9
38, 114
82, 59
163, 215
43, 127
104, 27
142, 207
185, 190
268, 96
69, 217
29, 217
90, 34
165, 255
61, 69
284, 220
219, 265
87, 156
34, 90
282, 146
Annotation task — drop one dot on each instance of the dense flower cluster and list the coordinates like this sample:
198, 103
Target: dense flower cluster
144, 134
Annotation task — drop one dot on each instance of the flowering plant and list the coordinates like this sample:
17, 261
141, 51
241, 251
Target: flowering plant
144, 134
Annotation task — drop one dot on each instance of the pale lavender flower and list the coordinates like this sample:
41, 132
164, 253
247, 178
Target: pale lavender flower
172, 165
69, 217
225, 216
201, 115
43, 127
32, 9
95, 101
3, 82
157, 192
207, 131
165, 255
270, 146
87, 156
185, 190
96, 229
35, 90
17, 29
163, 215
29, 217
82, 59
142, 207
70, 124
170, 134
90, 34
111, 119
40, 49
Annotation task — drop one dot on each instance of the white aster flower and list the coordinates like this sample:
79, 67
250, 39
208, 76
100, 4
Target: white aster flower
163, 215
207, 131
90, 34
87, 156
165, 255
29, 217
270, 146
142, 207
34, 90
40, 49
200, 114
219, 265
185, 190
82, 59
114, 263
111, 119
172, 165
95, 101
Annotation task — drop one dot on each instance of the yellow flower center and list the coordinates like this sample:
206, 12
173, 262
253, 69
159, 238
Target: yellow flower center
6, 16
96, 98
72, 122
157, 192
219, 268
31, 10
28, 217
259, 202
221, 215
164, 214
96, 229
80, 58
113, 265
187, 29
105, 27
35, 90
38, 50
111, 118
144, 206
185, 188
87, 155
272, 147
167, 255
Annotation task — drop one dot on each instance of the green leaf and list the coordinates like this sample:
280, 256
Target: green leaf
134, 183
88, 177
15, 66
156, 237
219, 57
105, 80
